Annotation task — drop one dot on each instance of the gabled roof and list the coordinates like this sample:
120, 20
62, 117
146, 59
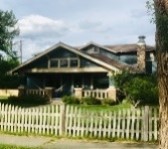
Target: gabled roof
110, 61
120, 48
97, 45
72, 49
127, 48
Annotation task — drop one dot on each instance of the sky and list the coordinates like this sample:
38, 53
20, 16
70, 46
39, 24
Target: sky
44, 23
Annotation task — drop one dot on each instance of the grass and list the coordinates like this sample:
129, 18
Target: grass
105, 108
5, 146
4, 100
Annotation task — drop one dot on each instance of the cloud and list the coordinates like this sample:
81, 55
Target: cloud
36, 26
88, 24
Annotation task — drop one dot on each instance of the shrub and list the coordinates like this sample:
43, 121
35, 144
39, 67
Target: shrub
108, 101
139, 88
29, 99
142, 90
70, 100
90, 101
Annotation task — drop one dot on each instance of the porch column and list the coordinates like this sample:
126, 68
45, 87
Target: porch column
111, 79
83, 82
78, 92
22, 90
72, 84
111, 90
49, 92
91, 82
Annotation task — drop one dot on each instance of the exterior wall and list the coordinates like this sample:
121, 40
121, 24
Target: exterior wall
57, 57
92, 49
8, 92
61, 53
40, 63
86, 63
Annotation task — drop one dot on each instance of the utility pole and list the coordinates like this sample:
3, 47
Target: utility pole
19, 49
21, 56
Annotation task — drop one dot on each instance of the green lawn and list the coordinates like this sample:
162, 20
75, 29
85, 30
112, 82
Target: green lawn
87, 107
4, 146
3, 97
105, 108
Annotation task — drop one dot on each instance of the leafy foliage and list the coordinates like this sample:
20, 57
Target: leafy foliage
85, 101
8, 31
8, 81
138, 88
108, 102
90, 101
28, 99
70, 100
6, 65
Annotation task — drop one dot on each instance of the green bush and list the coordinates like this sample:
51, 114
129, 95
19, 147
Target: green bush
70, 100
90, 101
6, 80
139, 88
142, 90
29, 99
108, 101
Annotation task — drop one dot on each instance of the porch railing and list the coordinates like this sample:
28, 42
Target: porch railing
47, 91
98, 93
40, 92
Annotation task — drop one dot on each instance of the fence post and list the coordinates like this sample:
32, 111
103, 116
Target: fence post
63, 118
145, 123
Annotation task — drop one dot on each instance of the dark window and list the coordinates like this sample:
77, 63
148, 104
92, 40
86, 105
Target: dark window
74, 63
54, 63
64, 63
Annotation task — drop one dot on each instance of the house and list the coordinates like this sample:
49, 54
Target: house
84, 71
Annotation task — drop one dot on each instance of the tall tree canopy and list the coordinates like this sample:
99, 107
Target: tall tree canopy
161, 20
8, 31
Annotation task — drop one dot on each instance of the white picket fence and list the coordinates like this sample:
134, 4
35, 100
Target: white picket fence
60, 120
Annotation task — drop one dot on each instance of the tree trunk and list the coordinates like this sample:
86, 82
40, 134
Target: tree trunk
163, 98
161, 13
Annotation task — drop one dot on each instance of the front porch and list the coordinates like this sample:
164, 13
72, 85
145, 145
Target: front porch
109, 93
81, 85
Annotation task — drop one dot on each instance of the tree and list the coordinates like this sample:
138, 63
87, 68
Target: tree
161, 20
8, 58
140, 89
8, 31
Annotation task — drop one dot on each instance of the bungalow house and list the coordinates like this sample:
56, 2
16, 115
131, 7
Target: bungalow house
84, 71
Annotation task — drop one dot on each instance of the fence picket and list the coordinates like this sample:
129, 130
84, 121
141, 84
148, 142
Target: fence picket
155, 123
138, 124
